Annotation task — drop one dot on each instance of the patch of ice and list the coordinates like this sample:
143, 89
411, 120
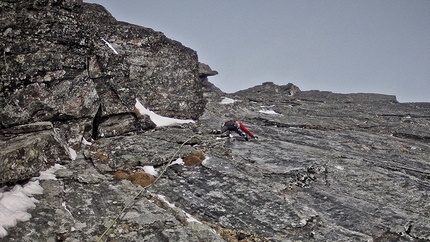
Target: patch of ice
227, 100
158, 119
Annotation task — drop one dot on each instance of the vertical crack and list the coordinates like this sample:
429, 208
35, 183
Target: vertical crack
96, 122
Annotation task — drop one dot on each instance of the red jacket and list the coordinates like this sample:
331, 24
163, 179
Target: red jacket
242, 127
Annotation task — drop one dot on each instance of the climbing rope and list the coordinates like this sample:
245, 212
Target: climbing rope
140, 192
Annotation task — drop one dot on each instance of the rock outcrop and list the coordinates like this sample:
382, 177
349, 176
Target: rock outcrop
326, 166
73, 65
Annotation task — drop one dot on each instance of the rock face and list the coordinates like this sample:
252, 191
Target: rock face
28, 149
72, 64
326, 166
66, 60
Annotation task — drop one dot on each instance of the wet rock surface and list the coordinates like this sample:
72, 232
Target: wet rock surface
326, 166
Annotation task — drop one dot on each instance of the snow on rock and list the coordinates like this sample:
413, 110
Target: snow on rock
178, 161
49, 174
269, 112
160, 120
163, 198
72, 154
206, 160
190, 219
227, 100
15, 203
86, 142
110, 46
225, 137
150, 170
32, 187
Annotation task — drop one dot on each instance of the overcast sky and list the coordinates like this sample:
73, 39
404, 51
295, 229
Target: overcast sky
343, 46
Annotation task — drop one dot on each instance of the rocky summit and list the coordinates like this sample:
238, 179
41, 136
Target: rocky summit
106, 135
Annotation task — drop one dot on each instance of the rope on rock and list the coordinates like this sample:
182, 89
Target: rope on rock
140, 192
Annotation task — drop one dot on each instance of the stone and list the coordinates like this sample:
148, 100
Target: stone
195, 158
136, 177
205, 70
28, 149
115, 125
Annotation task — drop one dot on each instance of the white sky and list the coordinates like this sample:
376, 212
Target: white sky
345, 46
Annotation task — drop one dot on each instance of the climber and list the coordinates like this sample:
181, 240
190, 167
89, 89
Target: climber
238, 127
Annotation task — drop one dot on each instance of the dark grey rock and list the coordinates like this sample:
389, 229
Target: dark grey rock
73, 60
205, 70
115, 125
28, 149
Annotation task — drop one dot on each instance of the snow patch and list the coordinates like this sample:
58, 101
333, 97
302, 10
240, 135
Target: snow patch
85, 142
163, 198
227, 100
15, 203
72, 154
32, 187
190, 219
225, 137
150, 170
110, 46
157, 119
206, 160
65, 208
49, 174
269, 112
178, 161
